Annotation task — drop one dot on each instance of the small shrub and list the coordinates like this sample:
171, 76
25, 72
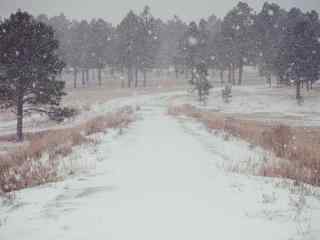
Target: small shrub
227, 94
60, 114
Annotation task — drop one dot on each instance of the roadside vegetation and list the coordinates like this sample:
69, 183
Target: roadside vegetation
296, 149
39, 161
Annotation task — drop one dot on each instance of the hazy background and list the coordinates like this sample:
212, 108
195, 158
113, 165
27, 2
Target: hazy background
114, 11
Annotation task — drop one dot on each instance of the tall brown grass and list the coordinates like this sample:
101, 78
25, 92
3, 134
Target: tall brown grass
299, 147
37, 162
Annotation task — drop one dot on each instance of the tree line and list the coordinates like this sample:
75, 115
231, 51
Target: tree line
35, 50
138, 44
282, 44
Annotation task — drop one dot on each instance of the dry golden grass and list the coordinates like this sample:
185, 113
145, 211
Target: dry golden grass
298, 146
38, 161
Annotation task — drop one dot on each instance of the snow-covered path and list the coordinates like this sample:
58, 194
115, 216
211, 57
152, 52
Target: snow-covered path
156, 181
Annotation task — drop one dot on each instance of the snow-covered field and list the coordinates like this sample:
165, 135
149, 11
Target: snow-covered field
163, 178
264, 103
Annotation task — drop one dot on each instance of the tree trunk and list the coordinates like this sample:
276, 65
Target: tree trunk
83, 78
192, 75
186, 72
87, 76
75, 77
298, 90
200, 94
144, 78
233, 74
230, 74
136, 76
130, 76
240, 71
99, 76
112, 71
308, 85
269, 80
221, 77
93, 75
20, 118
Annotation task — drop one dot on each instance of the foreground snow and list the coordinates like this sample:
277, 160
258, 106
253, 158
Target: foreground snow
162, 178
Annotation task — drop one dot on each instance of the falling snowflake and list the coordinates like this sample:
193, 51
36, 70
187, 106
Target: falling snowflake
213, 58
270, 12
314, 52
192, 41
150, 32
17, 53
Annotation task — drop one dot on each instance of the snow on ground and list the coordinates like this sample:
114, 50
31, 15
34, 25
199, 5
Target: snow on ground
164, 178
37, 122
264, 103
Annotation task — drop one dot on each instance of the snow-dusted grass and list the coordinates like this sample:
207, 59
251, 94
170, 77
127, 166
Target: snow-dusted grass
299, 146
90, 101
39, 161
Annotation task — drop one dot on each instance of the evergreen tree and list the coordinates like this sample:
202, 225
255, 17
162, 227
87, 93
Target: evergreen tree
100, 40
147, 42
202, 83
30, 64
300, 49
237, 27
128, 32
189, 49
269, 32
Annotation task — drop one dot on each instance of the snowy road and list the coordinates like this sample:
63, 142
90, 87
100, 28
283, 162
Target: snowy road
158, 180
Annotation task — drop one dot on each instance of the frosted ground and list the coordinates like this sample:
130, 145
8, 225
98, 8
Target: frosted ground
276, 104
163, 178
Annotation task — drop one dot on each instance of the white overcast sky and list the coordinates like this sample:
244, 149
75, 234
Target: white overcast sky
114, 10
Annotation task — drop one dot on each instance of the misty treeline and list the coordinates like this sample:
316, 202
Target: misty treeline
282, 44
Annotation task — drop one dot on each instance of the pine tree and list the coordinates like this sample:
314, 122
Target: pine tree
147, 43
127, 49
237, 27
28, 55
99, 41
189, 49
268, 28
300, 48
